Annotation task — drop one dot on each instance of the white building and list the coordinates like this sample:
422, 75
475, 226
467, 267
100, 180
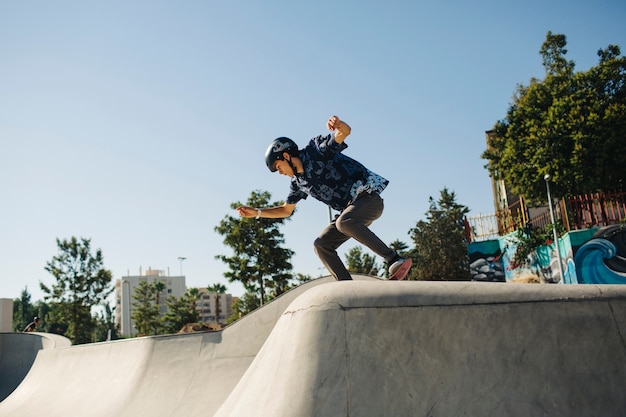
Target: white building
6, 315
125, 288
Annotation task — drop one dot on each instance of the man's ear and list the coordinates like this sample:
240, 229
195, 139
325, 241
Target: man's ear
286, 156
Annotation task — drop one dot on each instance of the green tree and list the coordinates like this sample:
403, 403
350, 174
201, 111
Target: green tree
244, 305
570, 125
440, 244
259, 262
81, 283
105, 325
359, 262
23, 311
145, 311
218, 289
181, 310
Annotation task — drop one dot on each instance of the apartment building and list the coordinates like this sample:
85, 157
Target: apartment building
125, 288
208, 305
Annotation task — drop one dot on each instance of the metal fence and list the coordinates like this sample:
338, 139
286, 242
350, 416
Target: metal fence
575, 213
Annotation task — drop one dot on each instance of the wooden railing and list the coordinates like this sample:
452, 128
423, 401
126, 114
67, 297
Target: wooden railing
575, 213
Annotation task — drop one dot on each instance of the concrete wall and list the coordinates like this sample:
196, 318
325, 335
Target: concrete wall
6, 315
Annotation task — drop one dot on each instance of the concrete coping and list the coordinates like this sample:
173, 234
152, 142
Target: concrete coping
377, 294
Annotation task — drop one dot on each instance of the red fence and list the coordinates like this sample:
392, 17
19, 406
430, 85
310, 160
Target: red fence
592, 210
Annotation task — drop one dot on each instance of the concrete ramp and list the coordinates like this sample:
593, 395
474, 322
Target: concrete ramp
186, 375
17, 354
364, 348
441, 349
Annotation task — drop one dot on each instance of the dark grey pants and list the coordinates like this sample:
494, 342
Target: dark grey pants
352, 222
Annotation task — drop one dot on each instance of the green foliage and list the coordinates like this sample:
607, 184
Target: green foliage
300, 279
145, 311
359, 262
440, 251
81, 283
244, 305
218, 289
528, 239
105, 323
180, 311
23, 311
570, 125
259, 261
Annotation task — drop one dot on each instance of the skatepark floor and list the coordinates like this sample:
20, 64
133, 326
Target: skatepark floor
358, 348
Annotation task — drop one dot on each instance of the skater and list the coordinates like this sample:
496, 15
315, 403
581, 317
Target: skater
323, 172
32, 326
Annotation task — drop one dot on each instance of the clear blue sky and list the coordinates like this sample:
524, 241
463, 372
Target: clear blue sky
138, 123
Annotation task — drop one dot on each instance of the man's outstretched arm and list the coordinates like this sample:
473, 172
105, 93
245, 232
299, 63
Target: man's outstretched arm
276, 212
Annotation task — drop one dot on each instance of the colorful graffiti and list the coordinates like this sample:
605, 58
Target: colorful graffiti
486, 261
602, 260
591, 256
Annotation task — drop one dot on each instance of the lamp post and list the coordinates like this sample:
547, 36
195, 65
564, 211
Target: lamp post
547, 178
181, 259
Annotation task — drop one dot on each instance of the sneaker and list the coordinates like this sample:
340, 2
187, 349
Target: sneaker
400, 268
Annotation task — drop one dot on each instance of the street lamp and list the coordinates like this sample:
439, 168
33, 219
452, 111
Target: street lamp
547, 178
181, 259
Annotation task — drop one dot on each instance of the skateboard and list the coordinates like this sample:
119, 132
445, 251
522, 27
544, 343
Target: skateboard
400, 274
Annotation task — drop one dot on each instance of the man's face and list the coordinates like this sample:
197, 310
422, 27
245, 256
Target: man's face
283, 168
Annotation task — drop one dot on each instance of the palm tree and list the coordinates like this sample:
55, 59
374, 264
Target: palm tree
217, 289
193, 294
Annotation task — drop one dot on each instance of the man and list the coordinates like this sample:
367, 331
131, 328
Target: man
323, 172
33, 325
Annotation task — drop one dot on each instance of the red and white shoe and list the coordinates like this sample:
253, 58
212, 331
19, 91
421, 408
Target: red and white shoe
400, 268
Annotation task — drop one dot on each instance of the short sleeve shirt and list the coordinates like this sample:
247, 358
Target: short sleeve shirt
330, 176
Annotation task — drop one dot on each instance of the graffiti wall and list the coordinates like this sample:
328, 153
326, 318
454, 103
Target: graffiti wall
602, 260
591, 256
486, 261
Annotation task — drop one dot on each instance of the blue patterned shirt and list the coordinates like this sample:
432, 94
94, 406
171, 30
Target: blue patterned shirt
330, 176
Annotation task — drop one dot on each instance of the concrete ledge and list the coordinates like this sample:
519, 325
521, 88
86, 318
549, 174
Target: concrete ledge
441, 349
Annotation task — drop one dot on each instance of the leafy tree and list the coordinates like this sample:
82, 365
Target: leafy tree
81, 283
359, 262
145, 311
217, 289
105, 325
300, 279
244, 305
23, 311
570, 125
181, 310
259, 262
440, 244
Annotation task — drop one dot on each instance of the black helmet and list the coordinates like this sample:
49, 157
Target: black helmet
277, 148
